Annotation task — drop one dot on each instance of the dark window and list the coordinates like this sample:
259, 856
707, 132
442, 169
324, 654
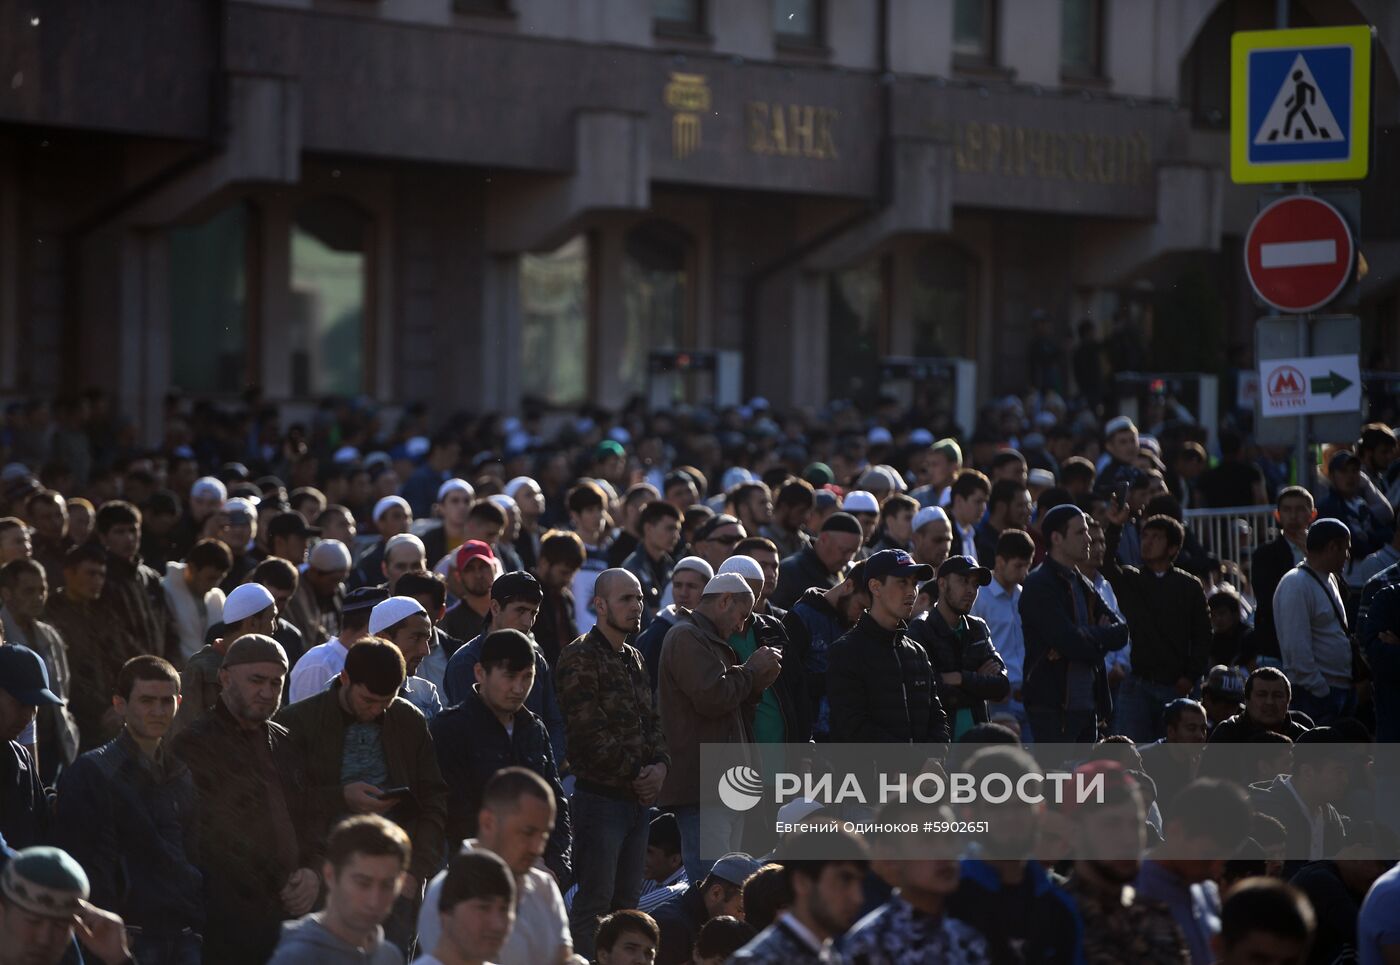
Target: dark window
679, 16
857, 330
1081, 38
974, 32
209, 302
941, 302
326, 328
798, 21
483, 6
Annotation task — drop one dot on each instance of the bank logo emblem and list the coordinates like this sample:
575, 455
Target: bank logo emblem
740, 788
688, 96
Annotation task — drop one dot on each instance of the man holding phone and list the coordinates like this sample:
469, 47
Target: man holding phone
368, 752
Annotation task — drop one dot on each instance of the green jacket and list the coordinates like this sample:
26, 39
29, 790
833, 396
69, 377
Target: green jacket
317, 727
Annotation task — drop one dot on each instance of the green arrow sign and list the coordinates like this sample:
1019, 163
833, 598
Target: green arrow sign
1330, 384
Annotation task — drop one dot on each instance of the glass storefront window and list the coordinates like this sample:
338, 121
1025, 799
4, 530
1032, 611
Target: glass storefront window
941, 302
209, 293
656, 291
856, 310
326, 327
679, 14
554, 323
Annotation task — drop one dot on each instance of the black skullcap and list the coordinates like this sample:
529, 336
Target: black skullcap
842, 523
1058, 518
1326, 531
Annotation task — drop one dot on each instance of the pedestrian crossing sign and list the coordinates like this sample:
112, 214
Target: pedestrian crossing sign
1300, 105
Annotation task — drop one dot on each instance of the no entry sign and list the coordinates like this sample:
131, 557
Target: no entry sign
1298, 254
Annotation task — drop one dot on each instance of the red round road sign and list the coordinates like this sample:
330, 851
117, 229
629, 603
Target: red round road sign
1298, 254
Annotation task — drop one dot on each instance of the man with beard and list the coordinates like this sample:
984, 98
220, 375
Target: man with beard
1110, 839
817, 620
616, 752
795, 499
402, 621
970, 671
243, 764
821, 564
688, 581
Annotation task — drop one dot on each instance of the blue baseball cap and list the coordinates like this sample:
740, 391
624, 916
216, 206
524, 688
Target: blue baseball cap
887, 563
24, 677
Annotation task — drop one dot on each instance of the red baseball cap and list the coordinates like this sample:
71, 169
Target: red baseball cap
472, 549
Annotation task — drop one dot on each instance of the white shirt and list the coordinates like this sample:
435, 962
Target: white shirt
317, 666
967, 539
541, 922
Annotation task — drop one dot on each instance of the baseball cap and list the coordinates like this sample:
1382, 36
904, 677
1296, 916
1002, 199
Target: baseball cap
290, 524
45, 881
246, 600
928, 514
516, 586
860, 501
472, 549
254, 648
1340, 458
965, 566
24, 677
1223, 681
887, 563
735, 867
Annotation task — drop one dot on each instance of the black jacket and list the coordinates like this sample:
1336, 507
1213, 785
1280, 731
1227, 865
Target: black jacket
471, 746
800, 573
948, 654
1267, 566
1054, 638
131, 823
1167, 616
881, 688
812, 626
680, 921
24, 808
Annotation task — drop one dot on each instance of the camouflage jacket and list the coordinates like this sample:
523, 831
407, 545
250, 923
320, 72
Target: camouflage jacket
612, 725
1135, 930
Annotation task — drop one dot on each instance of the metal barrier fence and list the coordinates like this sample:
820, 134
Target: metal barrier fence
1232, 533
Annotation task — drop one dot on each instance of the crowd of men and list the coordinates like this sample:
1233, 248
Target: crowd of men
323, 705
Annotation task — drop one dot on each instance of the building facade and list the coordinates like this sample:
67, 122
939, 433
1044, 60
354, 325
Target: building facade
478, 202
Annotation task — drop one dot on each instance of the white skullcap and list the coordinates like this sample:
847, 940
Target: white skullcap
1040, 477
519, 483
396, 541
695, 564
346, 454
1118, 424
727, 583
860, 501
733, 476
417, 446
505, 502
393, 610
921, 437
329, 555
207, 486
879, 436
745, 566
928, 515
246, 600
452, 485
382, 507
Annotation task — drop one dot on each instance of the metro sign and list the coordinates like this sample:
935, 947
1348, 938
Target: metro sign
1298, 254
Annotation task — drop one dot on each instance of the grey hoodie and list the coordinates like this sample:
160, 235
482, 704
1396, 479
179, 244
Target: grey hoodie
307, 942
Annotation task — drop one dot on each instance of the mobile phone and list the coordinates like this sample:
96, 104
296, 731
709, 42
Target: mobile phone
395, 792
